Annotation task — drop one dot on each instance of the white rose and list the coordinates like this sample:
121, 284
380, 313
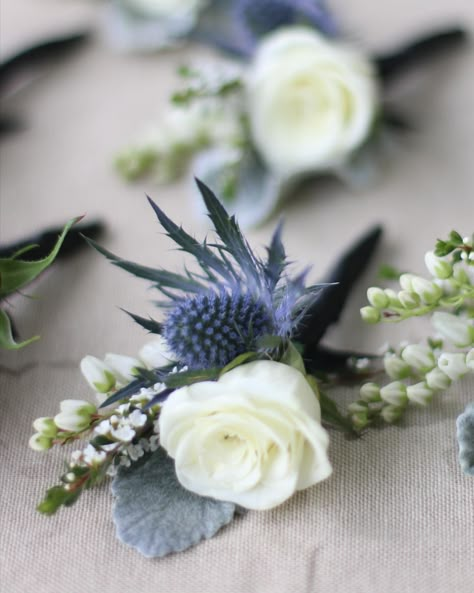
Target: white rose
165, 8
254, 437
312, 101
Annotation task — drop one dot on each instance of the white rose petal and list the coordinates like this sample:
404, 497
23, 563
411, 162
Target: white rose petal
311, 101
254, 437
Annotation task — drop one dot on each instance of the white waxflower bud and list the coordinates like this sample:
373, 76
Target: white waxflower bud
39, 442
419, 357
437, 380
406, 282
429, 292
370, 314
408, 299
122, 367
453, 364
356, 407
155, 354
392, 297
77, 406
377, 297
75, 415
470, 359
419, 393
462, 273
438, 267
394, 393
458, 330
395, 367
360, 420
98, 374
46, 427
370, 392
391, 413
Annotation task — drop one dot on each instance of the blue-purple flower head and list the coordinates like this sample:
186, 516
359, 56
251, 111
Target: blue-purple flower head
212, 328
214, 315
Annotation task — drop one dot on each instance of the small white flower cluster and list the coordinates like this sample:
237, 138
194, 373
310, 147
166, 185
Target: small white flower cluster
117, 438
429, 372
451, 285
448, 297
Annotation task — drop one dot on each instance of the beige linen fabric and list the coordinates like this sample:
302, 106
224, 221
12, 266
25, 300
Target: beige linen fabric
397, 515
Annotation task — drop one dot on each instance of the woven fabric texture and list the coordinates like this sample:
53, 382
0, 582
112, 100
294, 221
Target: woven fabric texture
397, 515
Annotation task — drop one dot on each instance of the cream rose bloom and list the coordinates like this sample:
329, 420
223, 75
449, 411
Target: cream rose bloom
253, 437
311, 101
166, 8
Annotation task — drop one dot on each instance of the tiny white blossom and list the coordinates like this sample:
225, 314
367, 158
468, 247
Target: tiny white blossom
137, 419
103, 427
123, 433
92, 456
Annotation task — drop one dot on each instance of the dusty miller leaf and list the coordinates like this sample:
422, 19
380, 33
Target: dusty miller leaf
156, 515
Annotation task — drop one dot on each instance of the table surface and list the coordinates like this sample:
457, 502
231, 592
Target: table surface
397, 514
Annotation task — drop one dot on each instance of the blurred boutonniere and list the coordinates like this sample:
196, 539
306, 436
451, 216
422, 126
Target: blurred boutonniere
229, 408
298, 100
23, 261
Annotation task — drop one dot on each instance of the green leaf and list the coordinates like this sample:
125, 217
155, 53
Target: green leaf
245, 357
455, 237
176, 380
331, 415
387, 272
293, 358
16, 273
56, 497
6, 336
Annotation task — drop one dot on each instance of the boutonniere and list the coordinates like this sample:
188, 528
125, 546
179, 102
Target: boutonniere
229, 409
298, 100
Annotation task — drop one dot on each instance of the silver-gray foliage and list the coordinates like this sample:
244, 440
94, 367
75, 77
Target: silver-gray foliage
156, 515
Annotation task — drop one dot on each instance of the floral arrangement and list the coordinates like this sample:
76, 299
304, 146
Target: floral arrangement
299, 101
229, 408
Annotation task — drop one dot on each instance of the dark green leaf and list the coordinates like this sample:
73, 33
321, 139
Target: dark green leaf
16, 273
7, 340
331, 415
153, 327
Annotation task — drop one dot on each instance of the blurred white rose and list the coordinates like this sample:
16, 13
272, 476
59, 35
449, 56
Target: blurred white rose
312, 101
165, 8
254, 437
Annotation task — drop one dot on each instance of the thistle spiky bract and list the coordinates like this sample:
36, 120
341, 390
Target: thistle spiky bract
214, 315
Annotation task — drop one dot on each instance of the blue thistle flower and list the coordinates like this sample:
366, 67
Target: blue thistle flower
210, 329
